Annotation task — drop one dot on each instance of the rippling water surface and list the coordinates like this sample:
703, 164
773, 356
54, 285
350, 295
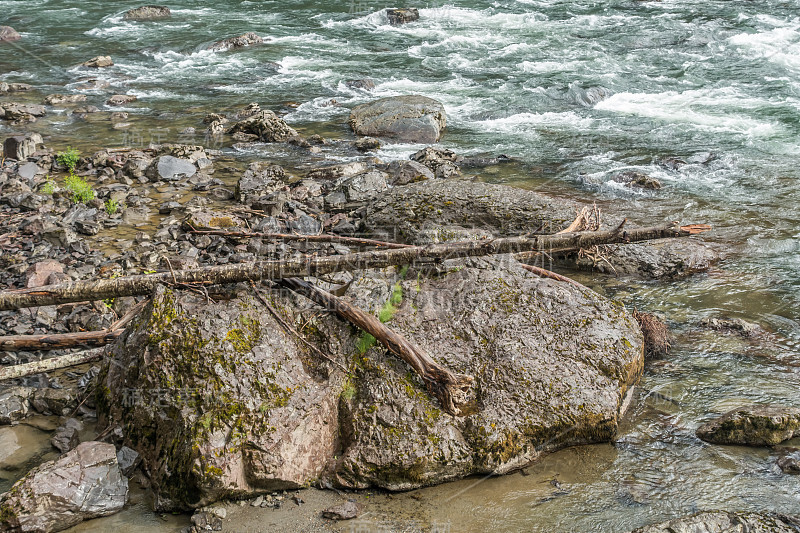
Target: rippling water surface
576, 92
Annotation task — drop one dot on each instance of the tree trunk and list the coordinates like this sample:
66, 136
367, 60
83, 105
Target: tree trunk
55, 363
78, 291
451, 389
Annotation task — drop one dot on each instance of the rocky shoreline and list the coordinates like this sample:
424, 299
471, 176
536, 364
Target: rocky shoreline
208, 397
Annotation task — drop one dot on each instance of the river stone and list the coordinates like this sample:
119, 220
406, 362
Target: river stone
14, 111
82, 484
21, 147
14, 404
405, 172
243, 408
344, 511
170, 168
789, 461
205, 219
339, 170
756, 425
9, 34
247, 39
405, 119
267, 126
444, 163
67, 436
27, 171
364, 186
726, 522
121, 99
147, 13
56, 99
260, 178
98, 62
402, 16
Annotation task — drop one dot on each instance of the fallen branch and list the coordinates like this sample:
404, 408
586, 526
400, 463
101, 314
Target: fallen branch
451, 389
55, 363
309, 238
543, 273
78, 291
60, 340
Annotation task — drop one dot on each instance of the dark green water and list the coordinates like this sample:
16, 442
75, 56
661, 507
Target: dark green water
577, 91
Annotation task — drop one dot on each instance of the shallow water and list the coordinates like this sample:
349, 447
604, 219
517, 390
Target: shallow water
576, 92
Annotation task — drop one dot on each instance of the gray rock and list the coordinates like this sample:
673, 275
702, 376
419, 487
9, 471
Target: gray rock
444, 163
9, 34
305, 225
637, 180
726, 522
56, 99
364, 186
367, 144
415, 209
98, 62
408, 119
339, 170
260, 178
405, 172
67, 436
204, 521
21, 147
789, 460
137, 164
15, 111
262, 416
147, 13
14, 404
267, 126
82, 484
128, 460
54, 401
402, 16
344, 511
121, 99
732, 325
364, 84
27, 171
756, 425
170, 168
247, 39
205, 219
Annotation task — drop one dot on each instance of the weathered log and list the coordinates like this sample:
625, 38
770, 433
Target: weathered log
451, 389
544, 273
59, 340
55, 363
78, 291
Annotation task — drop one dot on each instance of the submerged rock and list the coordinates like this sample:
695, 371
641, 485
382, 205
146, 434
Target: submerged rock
402, 15
247, 39
56, 99
344, 511
245, 408
757, 425
410, 119
121, 99
726, 522
82, 484
147, 13
637, 180
266, 125
789, 461
9, 34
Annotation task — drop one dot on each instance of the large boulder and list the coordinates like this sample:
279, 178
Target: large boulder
756, 425
244, 407
407, 119
8, 34
21, 147
430, 210
267, 126
247, 39
147, 13
82, 484
726, 522
15, 111
170, 168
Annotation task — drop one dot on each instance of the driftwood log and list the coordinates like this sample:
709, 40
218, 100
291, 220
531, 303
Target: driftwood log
54, 363
452, 390
59, 340
77, 291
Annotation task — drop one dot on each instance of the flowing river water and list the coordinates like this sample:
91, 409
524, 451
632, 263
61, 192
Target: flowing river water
575, 92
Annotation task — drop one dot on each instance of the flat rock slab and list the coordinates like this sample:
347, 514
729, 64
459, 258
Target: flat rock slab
82, 484
170, 168
147, 13
404, 119
726, 522
757, 425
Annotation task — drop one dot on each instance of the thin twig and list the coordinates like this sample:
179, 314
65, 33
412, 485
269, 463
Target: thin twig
310, 238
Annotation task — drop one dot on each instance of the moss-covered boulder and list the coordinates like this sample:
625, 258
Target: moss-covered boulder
756, 425
221, 401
